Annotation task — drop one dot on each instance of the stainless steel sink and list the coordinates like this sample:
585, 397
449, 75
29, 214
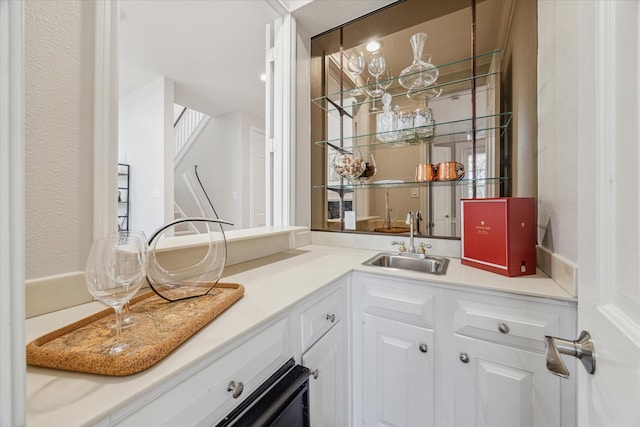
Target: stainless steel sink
429, 264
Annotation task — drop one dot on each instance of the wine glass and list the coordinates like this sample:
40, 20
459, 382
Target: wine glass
355, 66
141, 239
376, 66
114, 272
387, 80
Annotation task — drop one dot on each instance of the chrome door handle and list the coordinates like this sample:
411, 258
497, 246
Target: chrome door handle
582, 348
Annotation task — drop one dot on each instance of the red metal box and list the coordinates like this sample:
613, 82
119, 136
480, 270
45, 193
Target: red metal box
499, 235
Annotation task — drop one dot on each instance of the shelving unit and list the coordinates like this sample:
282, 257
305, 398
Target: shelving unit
465, 125
448, 86
123, 196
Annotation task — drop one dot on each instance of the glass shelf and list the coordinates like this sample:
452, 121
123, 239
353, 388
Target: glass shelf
455, 131
346, 188
454, 77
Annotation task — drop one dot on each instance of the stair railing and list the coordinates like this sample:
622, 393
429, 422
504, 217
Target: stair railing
184, 126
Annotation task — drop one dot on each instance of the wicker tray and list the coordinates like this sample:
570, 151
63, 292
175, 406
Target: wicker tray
159, 327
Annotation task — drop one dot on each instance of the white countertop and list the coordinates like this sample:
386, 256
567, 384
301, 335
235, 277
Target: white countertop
272, 285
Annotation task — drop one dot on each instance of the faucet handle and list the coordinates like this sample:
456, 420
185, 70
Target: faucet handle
421, 249
402, 247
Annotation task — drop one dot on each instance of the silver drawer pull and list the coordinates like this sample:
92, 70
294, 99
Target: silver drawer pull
464, 357
331, 317
236, 388
503, 328
423, 348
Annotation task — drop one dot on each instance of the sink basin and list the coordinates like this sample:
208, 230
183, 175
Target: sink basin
429, 264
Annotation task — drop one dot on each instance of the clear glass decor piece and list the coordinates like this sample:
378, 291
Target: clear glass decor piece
421, 73
424, 122
349, 164
387, 121
197, 270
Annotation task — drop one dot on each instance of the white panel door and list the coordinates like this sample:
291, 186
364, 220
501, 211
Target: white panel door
397, 376
501, 386
328, 388
608, 43
442, 195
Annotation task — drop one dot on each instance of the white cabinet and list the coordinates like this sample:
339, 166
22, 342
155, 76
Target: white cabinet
484, 363
500, 374
501, 386
328, 386
323, 341
393, 347
203, 398
397, 377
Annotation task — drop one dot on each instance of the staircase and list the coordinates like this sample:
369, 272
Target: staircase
187, 127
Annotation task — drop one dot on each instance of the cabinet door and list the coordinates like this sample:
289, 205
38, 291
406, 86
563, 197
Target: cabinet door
503, 386
397, 373
328, 390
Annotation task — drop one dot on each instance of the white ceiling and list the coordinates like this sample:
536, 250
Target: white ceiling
212, 49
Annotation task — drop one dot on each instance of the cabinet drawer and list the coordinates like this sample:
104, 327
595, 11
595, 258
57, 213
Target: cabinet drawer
513, 322
399, 300
321, 316
204, 396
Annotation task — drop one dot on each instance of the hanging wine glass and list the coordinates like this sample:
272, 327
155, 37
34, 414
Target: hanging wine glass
421, 73
355, 66
386, 80
376, 66
114, 272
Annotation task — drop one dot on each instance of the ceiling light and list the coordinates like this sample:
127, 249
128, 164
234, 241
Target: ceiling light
373, 46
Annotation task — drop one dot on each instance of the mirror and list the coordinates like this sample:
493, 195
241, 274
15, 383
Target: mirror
346, 122
193, 54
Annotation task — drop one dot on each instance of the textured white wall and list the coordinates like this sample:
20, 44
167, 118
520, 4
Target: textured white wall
558, 143
59, 47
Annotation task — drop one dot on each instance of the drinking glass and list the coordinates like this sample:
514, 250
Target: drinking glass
355, 66
376, 66
141, 239
114, 272
387, 80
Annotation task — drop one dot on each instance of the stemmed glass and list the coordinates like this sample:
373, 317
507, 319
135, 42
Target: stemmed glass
355, 66
387, 80
114, 272
376, 66
141, 239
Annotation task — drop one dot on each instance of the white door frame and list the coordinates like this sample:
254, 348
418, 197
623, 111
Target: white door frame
12, 247
253, 132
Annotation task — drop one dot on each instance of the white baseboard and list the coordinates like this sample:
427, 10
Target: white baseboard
561, 271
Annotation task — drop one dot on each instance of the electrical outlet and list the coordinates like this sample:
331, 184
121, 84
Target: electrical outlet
415, 192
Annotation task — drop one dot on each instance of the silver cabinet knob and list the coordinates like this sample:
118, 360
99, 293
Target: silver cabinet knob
503, 328
464, 357
236, 388
315, 374
582, 348
423, 348
331, 317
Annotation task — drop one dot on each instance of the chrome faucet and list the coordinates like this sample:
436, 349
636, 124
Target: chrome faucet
412, 245
418, 221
